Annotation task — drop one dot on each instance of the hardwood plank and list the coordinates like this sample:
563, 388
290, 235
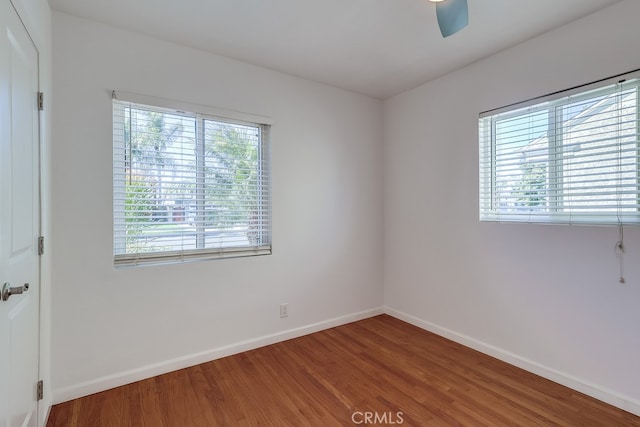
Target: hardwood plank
381, 366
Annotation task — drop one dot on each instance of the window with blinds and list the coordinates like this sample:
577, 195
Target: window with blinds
570, 157
188, 186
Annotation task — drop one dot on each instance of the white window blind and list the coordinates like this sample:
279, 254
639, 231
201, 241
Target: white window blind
188, 186
571, 157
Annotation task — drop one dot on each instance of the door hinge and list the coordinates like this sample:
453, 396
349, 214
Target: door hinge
40, 101
40, 245
40, 390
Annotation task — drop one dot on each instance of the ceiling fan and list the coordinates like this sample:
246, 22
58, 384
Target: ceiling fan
453, 15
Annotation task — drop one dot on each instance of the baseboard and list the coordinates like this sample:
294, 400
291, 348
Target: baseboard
133, 375
593, 390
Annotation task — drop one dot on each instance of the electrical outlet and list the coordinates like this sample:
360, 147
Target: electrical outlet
284, 310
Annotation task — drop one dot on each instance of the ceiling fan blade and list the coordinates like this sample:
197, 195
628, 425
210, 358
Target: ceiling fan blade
453, 15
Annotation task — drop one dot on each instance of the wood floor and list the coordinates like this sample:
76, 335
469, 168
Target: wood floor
379, 371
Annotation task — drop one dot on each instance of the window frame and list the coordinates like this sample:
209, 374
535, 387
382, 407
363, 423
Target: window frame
489, 211
200, 114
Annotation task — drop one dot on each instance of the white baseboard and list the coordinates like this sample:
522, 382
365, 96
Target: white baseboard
593, 390
111, 381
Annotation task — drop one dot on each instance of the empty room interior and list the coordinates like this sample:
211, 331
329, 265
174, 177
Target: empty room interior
364, 212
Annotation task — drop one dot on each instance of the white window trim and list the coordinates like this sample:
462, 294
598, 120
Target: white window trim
487, 123
198, 112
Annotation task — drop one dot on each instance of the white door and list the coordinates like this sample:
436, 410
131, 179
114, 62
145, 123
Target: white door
19, 222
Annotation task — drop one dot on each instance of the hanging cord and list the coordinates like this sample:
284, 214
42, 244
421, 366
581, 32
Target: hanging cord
619, 248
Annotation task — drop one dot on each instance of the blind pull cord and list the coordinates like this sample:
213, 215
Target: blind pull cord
620, 243
619, 249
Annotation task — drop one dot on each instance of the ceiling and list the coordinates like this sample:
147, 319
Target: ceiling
374, 47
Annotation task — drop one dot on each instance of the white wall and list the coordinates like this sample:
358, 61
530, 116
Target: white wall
114, 326
36, 16
543, 297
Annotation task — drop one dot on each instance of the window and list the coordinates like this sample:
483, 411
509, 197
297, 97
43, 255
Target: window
570, 157
188, 185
